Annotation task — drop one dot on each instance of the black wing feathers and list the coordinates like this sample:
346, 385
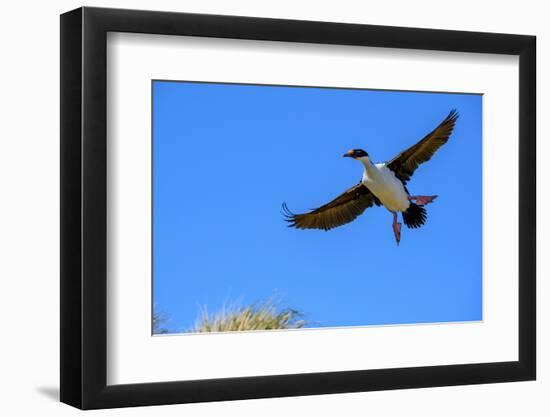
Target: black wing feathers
343, 209
404, 164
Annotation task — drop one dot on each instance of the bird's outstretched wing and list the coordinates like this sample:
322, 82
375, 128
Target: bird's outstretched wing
343, 209
404, 164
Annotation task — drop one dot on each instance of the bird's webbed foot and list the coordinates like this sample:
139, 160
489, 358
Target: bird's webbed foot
422, 200
396, 229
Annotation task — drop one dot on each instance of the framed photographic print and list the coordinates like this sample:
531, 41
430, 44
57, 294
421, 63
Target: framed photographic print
258, 207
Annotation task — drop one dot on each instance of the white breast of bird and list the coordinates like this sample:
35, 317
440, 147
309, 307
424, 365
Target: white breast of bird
382, 182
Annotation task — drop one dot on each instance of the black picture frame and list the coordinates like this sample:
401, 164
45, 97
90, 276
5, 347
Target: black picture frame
84, 207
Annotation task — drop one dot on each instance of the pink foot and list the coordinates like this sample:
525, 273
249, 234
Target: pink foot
422, 200
396, 229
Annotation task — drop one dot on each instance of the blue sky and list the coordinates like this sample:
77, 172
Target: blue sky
225, 156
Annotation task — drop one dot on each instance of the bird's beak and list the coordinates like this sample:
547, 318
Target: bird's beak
348, 154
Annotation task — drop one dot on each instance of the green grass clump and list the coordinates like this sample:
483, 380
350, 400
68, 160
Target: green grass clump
159, 320
263, 316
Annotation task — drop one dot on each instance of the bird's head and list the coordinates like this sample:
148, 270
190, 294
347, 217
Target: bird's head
356, 154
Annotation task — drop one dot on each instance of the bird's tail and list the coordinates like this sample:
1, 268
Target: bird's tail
415, 216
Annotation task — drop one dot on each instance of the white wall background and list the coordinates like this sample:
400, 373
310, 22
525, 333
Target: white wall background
29, 211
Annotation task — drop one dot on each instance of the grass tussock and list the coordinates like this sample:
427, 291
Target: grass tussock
263, 316
159, 321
